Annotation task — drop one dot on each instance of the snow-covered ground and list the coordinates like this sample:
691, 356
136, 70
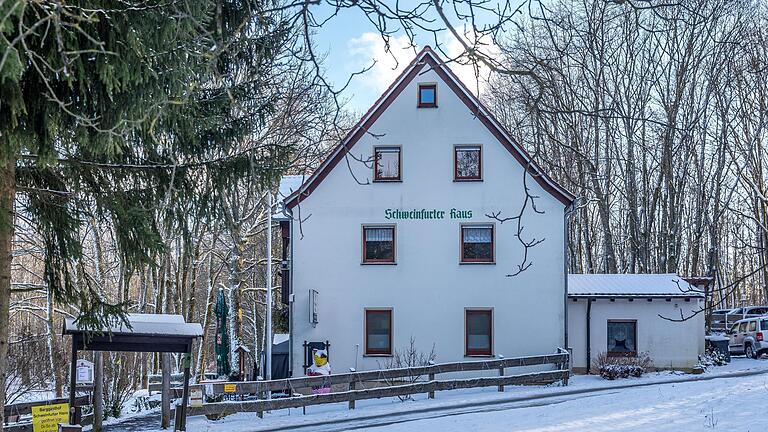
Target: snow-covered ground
589, 403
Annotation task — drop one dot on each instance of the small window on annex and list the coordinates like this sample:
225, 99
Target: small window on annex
427, 96
467, 163
622, 338
378, 244
386, 164
477, 244
479, 332
378, 331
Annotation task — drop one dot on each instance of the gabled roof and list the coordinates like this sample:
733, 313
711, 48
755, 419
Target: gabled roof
428, 58
630, 285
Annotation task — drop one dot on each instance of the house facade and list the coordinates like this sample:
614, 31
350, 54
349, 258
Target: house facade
407, 232
621, 315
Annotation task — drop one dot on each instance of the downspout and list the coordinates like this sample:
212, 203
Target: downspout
589, 335
569, 211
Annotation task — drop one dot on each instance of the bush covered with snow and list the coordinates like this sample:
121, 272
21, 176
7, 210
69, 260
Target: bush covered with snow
712, 358
613, 367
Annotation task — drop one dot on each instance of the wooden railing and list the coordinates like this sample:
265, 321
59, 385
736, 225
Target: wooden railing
13, 412
396, 382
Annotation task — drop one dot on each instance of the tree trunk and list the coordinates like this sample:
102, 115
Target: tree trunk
7, 194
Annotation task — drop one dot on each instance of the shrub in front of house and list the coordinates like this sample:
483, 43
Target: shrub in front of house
614, 367
712, 357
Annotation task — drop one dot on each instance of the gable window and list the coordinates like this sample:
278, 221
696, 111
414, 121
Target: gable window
477, 244
467, 163
386, 163
427, 95
379, 244
378, 331
622, 338
478, 338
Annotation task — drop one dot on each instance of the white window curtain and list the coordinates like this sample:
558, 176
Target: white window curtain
378, 234
477, 234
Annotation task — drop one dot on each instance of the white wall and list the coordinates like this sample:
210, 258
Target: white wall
428, 289
671, 345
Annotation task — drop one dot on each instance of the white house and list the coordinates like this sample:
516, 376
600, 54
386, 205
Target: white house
627, 314
406, 231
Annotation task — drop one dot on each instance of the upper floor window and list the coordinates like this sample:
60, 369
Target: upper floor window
379, 244
467, 163
386, 163
427, 95
477, 244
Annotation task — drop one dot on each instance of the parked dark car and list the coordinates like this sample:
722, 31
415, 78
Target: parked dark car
723, 319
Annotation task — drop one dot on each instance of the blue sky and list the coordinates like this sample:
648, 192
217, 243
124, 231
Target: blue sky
351, 43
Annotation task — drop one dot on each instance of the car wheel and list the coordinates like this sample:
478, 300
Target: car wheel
750, 352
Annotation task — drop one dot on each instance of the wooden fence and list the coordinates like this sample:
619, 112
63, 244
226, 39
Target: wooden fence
15, 411
380, 383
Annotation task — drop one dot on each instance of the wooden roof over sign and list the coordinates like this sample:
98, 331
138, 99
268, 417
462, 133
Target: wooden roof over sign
144, 333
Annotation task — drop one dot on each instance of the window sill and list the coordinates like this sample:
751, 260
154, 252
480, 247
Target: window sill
426, 106
378, 263
377, 355
387, 180
467, 180
477, 262
479, 356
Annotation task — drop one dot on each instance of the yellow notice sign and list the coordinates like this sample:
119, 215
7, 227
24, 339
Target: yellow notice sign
46, 418
228, 388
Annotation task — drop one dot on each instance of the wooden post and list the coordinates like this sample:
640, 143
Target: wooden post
182, 413
98, 391
431, 395
72, 381
351, 400
165, 416
260, 395
501, 374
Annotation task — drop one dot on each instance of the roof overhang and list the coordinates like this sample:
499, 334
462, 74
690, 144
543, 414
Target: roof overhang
145, 333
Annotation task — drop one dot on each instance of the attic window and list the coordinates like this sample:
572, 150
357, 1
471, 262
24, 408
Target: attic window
427, 95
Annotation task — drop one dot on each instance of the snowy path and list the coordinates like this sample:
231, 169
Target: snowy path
732, 397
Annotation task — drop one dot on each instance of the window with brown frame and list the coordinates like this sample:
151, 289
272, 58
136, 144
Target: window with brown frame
379, 244
622, 338
387, 163
427, 96
378, 331
467, 163
477, 244
478, 329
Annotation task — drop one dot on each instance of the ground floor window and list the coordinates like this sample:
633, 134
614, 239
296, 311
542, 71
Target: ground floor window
622, 338
378, 331
478, 332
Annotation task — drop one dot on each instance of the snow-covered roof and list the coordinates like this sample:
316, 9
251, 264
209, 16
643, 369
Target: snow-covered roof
146, 324
288, 185
279, 338
630, 285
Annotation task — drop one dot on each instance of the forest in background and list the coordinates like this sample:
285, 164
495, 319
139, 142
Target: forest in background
654, 117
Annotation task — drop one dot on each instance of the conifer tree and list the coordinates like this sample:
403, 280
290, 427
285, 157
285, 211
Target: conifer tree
121, 108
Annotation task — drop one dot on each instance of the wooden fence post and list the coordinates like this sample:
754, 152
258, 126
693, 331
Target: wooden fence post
260, 395
351, 399
431, 395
